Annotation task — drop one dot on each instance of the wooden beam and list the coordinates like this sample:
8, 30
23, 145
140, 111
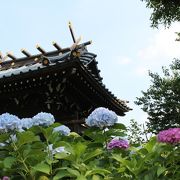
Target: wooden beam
56, 46
25, 52
10, 55
40, 49
1, 55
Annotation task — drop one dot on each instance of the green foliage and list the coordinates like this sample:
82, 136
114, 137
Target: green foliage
137, 133
31, 155
152, 161
162, 100
163, 11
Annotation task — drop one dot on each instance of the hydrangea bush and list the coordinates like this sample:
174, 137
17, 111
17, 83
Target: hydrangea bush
38, 148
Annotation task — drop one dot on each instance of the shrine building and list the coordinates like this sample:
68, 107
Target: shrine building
65, 82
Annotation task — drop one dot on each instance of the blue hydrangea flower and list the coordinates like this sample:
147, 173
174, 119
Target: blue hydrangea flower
27, 123
2, 144
59, 150
43, 119
101, 117
49, 147
9, 122
13, 137
56, 150
64, 130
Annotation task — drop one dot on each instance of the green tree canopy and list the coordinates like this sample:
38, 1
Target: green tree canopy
163, 11
162, 100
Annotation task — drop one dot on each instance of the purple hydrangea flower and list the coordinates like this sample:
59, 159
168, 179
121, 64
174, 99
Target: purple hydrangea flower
5, 178
118, 143
43, 119
62, 129
171, 136
101, 117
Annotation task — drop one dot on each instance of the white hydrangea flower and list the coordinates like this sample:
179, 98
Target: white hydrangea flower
64, 130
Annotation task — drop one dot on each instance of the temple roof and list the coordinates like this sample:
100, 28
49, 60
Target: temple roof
81, 63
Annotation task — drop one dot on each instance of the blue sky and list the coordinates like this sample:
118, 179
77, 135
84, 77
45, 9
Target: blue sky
125, 44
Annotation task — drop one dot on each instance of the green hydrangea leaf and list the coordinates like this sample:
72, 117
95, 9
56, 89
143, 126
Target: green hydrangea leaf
160, 170
42, 168
92, 154
97, 171
26, 138
61, 174
9, 161
118, 126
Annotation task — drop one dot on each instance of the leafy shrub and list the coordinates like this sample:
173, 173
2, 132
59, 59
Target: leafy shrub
45, 150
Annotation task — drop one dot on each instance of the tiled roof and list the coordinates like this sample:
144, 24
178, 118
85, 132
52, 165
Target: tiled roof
79, 57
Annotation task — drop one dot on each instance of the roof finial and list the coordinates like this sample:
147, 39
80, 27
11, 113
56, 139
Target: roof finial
72, 33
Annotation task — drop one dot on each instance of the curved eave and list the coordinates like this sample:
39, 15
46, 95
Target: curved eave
38, 69
117, 105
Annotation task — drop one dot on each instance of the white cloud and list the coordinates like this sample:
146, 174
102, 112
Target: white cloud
160, 51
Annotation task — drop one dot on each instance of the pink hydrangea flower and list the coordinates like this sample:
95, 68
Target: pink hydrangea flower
5, 178
171, 136
118, 143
